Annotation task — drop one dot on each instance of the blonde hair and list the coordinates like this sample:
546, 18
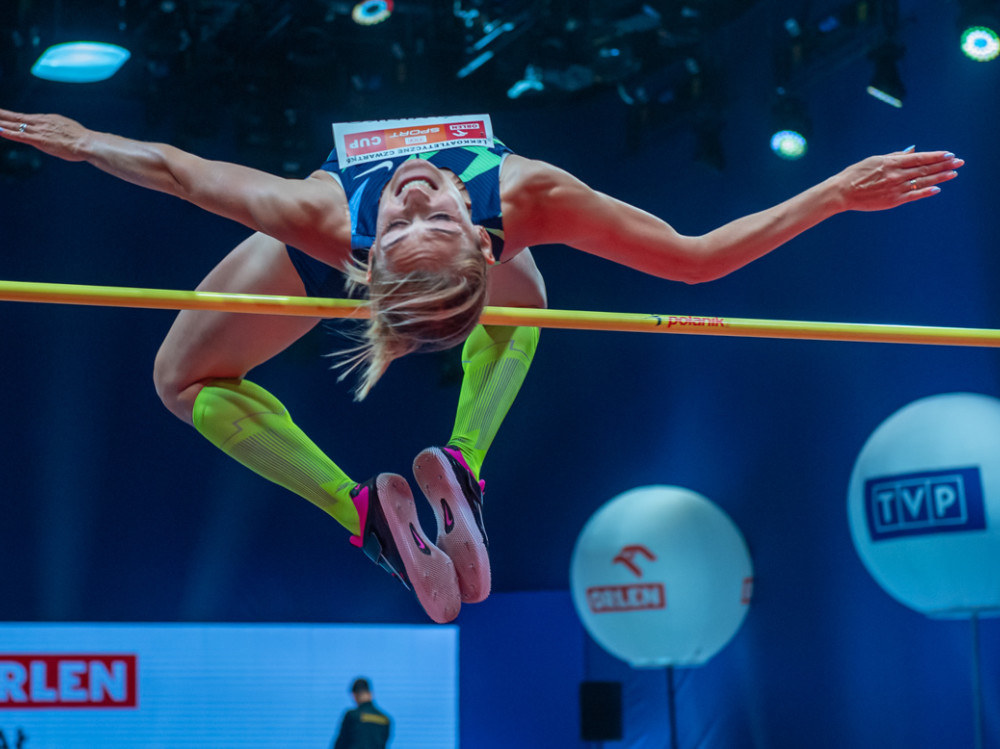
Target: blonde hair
426, 309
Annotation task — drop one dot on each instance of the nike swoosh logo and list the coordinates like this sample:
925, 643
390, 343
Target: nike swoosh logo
369, 170
419, 541
449, 519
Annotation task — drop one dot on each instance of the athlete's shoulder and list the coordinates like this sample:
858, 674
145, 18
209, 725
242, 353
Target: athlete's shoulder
528, 185
533, 177
331, 213
326, 178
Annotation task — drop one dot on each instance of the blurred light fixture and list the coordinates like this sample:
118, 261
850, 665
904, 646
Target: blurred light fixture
886, 85
792, 127
979, 24
980, 43
370, 12
473, 65
492, 31
80, 62
829, 24
790, 145
496, 34
532, 81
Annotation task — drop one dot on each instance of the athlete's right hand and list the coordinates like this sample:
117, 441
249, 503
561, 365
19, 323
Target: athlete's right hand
50, 133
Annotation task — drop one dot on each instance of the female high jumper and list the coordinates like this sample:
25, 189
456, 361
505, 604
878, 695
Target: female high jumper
431, 236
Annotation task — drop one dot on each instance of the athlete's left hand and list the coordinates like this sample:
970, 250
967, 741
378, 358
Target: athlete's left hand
881, 182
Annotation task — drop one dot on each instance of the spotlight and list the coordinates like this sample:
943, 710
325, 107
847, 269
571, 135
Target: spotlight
80, 62
789, 144
370, 12
886, 84
980, 43
979, 23
792, 128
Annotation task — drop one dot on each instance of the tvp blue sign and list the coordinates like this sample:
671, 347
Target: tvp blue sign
914, 504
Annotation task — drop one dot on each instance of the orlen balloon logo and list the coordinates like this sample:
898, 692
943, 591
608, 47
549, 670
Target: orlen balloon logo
603, 599
628, 554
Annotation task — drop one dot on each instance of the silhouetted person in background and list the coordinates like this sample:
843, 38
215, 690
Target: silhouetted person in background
364, 727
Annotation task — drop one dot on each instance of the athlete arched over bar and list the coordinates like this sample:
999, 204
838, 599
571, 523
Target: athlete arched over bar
430, 238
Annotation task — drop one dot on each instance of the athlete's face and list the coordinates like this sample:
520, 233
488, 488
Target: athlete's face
423, 219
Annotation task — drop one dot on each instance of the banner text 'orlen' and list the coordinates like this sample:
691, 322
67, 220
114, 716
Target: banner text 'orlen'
61, 681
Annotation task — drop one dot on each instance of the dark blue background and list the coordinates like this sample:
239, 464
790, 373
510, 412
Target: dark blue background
115, 511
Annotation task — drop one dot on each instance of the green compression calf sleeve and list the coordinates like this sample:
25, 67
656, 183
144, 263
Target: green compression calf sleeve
250, 425
496, 360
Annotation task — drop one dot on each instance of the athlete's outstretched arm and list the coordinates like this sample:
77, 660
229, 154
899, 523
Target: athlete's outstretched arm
555, 207
308, 213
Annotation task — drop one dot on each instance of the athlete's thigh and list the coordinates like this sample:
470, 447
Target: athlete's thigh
205, 344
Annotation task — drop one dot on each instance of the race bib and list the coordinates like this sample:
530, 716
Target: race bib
359, 142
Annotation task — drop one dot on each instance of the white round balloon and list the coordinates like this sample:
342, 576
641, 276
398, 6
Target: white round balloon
661, 577
921, 498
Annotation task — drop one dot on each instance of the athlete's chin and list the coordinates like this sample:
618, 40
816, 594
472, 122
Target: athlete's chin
414, 167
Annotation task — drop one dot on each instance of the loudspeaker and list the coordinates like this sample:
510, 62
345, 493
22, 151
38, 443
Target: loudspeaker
600, 710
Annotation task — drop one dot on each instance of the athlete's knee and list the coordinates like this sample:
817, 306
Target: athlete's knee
175, 392
541, 298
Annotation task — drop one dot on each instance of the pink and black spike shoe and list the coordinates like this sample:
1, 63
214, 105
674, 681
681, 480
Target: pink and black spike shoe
391, 537
457, 499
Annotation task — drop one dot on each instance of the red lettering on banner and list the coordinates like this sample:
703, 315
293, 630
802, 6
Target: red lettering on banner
469, 129
411, 132
616, 598
60, 681
685, 321
366, 143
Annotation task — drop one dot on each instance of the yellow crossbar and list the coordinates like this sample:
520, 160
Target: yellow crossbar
116, 296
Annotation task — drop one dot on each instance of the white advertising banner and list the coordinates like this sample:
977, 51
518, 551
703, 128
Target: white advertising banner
176, 685
359, 142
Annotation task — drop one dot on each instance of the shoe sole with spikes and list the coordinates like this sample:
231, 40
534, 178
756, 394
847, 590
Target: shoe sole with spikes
457, 502
393, 538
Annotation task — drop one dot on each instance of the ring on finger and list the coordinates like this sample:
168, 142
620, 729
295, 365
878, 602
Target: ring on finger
22, 127
913, 184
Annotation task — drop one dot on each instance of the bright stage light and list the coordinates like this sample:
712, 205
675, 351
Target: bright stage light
80, 62
789, 144
792, 127
980, 43
370, 12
